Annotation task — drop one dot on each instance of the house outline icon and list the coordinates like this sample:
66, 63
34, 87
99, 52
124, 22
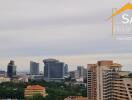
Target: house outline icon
128, 6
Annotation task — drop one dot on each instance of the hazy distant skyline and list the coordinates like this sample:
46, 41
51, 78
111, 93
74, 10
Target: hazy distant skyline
56, 28
23, 63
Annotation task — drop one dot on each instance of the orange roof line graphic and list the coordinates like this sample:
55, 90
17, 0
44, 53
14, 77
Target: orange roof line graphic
128, 6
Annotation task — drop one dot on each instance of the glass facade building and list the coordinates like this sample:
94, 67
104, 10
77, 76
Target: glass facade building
11, 69
54, 70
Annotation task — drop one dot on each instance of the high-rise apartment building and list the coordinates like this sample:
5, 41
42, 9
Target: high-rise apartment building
34, 68
106, 81
92, 82
11, 69
54, 70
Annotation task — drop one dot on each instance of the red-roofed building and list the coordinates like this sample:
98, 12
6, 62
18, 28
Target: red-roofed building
76, 98
34, 89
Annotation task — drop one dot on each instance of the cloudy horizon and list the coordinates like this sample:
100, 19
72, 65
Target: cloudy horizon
23, 63
31, 29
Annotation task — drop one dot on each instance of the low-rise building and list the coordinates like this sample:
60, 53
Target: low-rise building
2, 73
20, 79
36, 77
23, 79
74, 74
34, 89
4, 79
76, 98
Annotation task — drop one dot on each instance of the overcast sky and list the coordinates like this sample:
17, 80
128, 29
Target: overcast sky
61, 29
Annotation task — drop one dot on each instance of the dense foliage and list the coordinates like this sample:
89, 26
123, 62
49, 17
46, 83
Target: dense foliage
130, 75
55, 91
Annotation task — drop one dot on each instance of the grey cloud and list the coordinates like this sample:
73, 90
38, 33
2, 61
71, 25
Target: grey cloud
42, 27
59, 27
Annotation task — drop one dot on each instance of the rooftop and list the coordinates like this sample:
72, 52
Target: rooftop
35, 87
116, 65
76, 98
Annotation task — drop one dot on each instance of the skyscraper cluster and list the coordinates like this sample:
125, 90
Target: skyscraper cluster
80, 74
54, 70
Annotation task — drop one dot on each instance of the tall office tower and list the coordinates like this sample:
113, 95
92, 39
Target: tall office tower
66, 70
34, 68
54, 70
106, 81
11, 69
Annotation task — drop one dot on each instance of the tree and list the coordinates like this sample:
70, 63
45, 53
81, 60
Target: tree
36, 97
130, 75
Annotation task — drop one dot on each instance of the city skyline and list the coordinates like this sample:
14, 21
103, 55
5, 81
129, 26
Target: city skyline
23, 63
66, 49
